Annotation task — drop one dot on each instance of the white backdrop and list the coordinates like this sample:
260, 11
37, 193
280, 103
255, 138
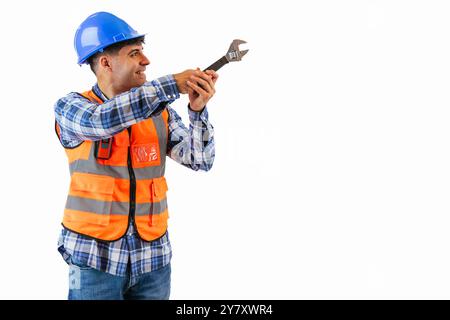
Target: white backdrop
331, 178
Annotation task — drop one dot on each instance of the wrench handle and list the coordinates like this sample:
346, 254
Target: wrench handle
218, 64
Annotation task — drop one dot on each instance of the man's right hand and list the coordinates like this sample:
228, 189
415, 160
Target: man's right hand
182, 78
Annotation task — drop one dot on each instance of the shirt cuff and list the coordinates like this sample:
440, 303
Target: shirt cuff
166, 88
195, 116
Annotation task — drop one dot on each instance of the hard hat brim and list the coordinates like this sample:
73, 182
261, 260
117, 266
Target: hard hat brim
84, 59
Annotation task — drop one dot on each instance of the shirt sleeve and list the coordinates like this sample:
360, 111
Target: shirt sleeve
193, 147
80, 119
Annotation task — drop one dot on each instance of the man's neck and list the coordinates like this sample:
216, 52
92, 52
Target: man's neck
106, 89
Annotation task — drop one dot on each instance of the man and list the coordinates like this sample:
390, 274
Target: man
116, 137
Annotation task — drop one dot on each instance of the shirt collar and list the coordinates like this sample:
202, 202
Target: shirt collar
99, 92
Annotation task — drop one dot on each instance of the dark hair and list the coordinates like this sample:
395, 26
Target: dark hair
113, 50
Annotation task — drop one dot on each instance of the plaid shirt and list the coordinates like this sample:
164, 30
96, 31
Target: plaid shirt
80, 119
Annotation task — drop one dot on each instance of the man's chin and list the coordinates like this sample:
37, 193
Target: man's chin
138, 82
141, 77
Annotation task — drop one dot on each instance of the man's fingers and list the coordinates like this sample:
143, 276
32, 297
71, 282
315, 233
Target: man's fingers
203, 83
213, 74
190, 90
208, 75
210, 81
207, 85
199, 90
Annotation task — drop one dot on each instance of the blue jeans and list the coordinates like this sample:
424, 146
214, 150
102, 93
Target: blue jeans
86, 283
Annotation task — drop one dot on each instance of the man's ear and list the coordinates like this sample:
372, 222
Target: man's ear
104, 62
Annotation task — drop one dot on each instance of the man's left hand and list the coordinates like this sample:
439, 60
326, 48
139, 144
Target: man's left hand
199, 96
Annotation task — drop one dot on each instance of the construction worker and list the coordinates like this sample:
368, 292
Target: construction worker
116, 137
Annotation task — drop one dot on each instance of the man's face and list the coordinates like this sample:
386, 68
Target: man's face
128, 67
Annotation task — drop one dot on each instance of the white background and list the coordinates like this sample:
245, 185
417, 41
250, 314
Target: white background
331, 178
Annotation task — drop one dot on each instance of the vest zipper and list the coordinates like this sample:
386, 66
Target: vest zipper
132, 183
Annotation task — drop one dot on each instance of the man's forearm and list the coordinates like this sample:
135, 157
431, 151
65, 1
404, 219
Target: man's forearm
81, 119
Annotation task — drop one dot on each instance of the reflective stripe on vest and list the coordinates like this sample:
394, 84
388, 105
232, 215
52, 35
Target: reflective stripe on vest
98, 204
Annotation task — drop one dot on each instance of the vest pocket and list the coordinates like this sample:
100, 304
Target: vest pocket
158, 189
90, 199
158, 204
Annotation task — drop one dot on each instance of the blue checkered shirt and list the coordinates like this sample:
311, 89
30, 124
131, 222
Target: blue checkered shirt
80, 119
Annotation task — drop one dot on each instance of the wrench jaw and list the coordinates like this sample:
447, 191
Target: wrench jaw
242, 53
234, 54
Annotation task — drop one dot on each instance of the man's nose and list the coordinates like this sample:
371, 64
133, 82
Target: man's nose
145, 61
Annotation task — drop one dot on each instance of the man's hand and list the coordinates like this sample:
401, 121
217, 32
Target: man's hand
201, 88
182, 78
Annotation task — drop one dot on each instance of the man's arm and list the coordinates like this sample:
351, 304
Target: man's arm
80, 119
193, 147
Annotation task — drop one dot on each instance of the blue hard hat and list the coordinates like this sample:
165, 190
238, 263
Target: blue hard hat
99, 31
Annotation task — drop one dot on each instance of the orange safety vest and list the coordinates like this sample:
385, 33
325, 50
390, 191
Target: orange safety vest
105, 194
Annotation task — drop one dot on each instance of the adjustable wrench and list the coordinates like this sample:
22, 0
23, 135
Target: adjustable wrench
233, 54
